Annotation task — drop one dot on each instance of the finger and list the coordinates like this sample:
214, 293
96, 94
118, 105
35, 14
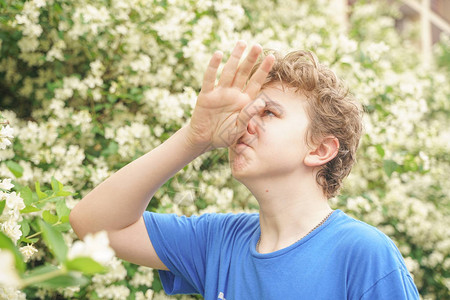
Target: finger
257, 80
209, 79
246, 66
229, 70
252, 109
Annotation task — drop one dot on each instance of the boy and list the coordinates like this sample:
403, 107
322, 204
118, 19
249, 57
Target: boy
292, 132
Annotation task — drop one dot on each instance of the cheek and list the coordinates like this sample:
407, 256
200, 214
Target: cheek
287, 144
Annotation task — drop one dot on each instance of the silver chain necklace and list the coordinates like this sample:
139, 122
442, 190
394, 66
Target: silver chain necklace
317, 226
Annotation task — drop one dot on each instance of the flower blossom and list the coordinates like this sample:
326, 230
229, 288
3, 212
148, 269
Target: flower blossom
95, 246
6, 184
6, 133
12, 230
28, 251
8, 275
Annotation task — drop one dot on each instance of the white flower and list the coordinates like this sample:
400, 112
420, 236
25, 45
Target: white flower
97, 68
121, 29
376, 50
12, 230
158, 130
32, 30
54, 53
6, 184
28, 44
143, 276
113, 292
97, 95
148, 295
11, 293
116, 272
21, 19
95, 246
170, 109
69, 292
6, 133
14, 202
141, 64
185, 197
8, 275
28, 251
39, 3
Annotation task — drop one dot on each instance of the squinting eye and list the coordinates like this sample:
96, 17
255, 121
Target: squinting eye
268, 112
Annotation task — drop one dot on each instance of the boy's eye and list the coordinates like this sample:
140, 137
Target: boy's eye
268, 113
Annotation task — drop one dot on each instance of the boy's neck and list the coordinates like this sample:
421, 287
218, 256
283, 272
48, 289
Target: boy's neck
289, 209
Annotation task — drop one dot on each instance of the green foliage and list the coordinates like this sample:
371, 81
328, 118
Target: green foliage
86, 265
6, 243
48, 230
89, 86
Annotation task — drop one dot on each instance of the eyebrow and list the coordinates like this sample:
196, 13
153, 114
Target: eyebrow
273, 104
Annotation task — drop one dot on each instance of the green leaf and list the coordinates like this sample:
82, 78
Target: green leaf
29, 241
40, 194
61, 209
380, 150
54, 240
111, 98
112, 148
389, 167
53, 198
7, 243
56, 185
2, 206
40, 270
29, 209
24, 227
70, 279
86, 265
27, 195
49, 217
65, 219
63, 227
15, 168
64, 194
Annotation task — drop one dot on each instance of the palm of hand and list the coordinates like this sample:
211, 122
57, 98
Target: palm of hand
221, 114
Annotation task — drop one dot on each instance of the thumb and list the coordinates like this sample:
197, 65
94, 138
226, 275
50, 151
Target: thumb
252, 109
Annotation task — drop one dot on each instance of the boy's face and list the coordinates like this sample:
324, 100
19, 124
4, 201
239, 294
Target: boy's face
274, 143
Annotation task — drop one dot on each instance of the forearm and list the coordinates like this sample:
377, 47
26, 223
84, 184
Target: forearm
121, 199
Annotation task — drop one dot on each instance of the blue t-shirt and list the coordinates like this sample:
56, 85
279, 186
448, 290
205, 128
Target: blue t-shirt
215, 255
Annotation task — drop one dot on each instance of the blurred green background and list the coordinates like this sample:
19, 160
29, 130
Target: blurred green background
88, 86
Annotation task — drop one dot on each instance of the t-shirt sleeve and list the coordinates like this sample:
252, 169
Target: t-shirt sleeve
181, 244
396, 285
375, 266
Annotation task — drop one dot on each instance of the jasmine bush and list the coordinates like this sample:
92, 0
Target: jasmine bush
87, 86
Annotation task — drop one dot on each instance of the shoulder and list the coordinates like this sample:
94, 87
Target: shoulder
360, 232
211, 221
372, 261
232, 223
363, 240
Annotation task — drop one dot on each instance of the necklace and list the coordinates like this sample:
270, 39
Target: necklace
315, 227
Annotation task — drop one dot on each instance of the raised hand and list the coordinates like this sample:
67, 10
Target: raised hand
222, 112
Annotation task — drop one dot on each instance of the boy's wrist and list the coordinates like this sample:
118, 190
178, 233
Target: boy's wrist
195, 144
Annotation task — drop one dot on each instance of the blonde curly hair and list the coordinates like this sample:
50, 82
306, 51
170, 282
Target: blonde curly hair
332, 110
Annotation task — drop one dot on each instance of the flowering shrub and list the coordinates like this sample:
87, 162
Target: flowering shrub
33, 223
88, 86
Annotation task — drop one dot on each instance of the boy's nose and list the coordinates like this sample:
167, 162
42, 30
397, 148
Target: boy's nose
252, 125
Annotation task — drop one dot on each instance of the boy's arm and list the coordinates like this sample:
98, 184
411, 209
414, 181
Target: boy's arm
117, 204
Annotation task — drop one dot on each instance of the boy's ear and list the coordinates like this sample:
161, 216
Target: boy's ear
323, 153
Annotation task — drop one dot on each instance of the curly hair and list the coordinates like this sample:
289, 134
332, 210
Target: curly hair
331, 109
